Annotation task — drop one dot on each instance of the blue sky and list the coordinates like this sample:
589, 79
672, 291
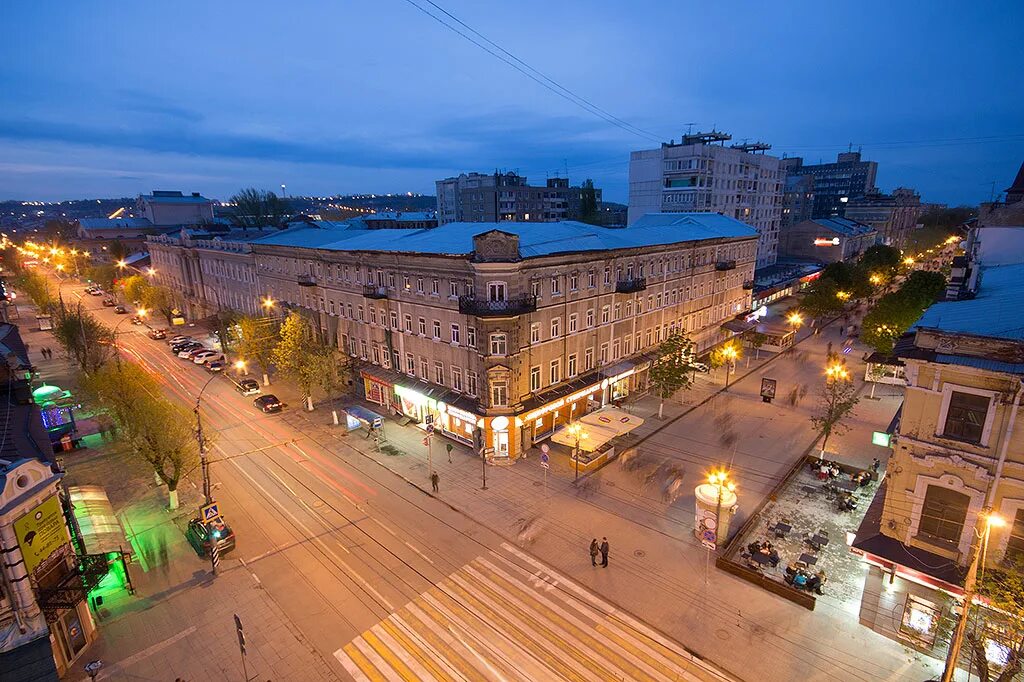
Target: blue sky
114, 98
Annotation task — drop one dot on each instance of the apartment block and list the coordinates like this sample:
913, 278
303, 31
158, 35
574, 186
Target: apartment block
506, 197
892, 215
835, 184
827, 240
701, 174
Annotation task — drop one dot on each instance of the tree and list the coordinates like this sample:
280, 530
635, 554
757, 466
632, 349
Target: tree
88, 342
881, 259
292, 355
838, 398
103, 275
754, 339
822, 299
61, 230
1001, 621
117, 250
896, 312
257, 337
134, 288
923, 287
588, 203
37, 288
160, 299
152, 429
672, 371
259, 208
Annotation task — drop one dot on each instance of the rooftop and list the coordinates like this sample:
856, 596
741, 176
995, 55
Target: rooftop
174, 197
993, 312
113, 223
843, 226
402, 216
535, 239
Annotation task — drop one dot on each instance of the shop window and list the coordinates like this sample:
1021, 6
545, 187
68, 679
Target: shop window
965, 416
920, 620
943, 514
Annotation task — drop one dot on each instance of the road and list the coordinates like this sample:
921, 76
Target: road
388, 583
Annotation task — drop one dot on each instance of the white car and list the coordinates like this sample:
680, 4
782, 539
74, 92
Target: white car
186, 354
178, 339
201, 358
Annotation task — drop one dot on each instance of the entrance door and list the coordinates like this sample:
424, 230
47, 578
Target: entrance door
501, 443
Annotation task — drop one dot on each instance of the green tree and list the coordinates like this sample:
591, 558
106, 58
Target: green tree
257, 337
588, 204
160, 299
103, 275
117, 250
292, 355
837, 400
881, 259
754, 339
894, 313
672, 371
87, 342
923, 287
134, 288
259, 208
822, 299
37, 287
1001, 621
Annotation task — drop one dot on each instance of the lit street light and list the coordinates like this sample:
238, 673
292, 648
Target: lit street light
837, 371
729, 353
578, 434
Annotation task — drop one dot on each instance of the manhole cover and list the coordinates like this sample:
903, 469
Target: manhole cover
537, 484
722, 634
639, 553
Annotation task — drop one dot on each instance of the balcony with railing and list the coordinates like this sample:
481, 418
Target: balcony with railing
725, 265
307, 280
374, 291
517, 305
631, 286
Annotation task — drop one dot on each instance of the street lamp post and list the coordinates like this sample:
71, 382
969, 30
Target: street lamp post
730, 354
204, 464
141, 312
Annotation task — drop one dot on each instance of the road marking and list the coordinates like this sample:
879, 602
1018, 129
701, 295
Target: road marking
422, 555
124, 663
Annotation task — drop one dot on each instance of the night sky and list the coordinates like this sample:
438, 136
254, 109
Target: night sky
348, 96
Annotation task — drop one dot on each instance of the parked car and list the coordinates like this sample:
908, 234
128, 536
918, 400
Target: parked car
215, 365
248, 387
185, 352
182, 345
120, 309
202, 536
699, 367
178, 339
157, 334
95, 291
109, 302
268, 403
193, 352
201, 358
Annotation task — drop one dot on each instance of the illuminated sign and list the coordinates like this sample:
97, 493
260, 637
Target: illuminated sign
822, 241
540, 411
41, 532
880, 438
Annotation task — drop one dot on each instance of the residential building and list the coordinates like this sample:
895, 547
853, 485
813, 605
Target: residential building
826, 240
835, 184
407, 220
892, 215
172, 208
797, 199
701, 174
501, 197
96, 235
1010, 211
504, 332
45, 623
958, 453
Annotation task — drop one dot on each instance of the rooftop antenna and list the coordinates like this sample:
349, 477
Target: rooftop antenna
849, 147
689, 127
992, 191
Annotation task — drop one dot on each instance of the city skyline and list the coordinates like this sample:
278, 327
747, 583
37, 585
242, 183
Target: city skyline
223, 100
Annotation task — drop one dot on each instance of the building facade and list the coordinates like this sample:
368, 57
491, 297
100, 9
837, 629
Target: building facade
504, 332
835, 184
797, 199
506, 197
702, 174
892, 215
171, 208
827, 240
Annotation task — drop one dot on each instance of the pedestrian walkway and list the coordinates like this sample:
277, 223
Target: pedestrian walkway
507, 616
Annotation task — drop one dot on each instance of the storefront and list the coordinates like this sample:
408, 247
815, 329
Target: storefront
457, 423
557, 408
618, 385
377, 390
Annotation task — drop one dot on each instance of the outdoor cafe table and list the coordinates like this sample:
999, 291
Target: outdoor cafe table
848, 486
782, 528
761, 558
819, 540
809, 559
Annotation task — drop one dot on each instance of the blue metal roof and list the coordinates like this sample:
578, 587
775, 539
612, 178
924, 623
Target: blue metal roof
113, 223
980, 363
159, 197
843, 226
994, 312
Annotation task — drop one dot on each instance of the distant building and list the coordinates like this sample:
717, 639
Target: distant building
96, 234
171, 208
402, 220
892, 215
701, 174
501, 197
826, 240
797, 200
1010, 211
836, 183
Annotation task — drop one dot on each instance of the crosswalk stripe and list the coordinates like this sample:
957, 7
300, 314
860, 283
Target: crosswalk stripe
371, 668
498, 665
572, 627
416, 671
390, 666
356, 665
441, 640
425, 662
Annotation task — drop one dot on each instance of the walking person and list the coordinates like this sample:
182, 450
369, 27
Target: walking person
434, 478
604, 552
449, 447
594, 549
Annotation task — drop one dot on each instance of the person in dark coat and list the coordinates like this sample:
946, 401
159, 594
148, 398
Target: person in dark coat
604, 552
594, 549
434, 478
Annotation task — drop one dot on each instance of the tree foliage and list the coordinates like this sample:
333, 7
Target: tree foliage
300, 356
880, 259
822, 299
87, 342
259, 208
37, 287
894, 313
1002, 621
673, 370
103, 275
257, 337
588, 203
838, 397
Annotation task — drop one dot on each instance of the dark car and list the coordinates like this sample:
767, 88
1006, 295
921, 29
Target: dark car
120, 309
215, 366
268, 403
109, 302
157, 334
182, 345
202, 536
248, 387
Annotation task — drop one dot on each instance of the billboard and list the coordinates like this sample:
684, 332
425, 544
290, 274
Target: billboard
41, 532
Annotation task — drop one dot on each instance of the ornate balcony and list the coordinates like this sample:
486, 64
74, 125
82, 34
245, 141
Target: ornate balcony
307, 280
631, 286
517, 305
374, 291
725, 265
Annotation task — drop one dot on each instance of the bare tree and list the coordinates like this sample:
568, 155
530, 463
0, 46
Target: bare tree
259, 208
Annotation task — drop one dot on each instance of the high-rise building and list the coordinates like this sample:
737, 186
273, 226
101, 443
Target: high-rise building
701, 174
892, 215
501, 197
797, 199
835, 183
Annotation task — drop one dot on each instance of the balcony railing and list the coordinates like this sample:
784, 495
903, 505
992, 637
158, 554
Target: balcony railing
373, 291
518, 305
725, 265
629, 286
307, 280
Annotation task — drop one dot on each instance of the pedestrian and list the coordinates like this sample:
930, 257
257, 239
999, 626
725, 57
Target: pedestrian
842, 330
594, 549
49, 353
449, 447
875, 464
604, 552
434, 478
828, 351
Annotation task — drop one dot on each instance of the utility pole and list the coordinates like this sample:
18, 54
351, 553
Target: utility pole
203, 463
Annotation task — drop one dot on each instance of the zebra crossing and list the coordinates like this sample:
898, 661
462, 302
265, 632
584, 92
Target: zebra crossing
505, 617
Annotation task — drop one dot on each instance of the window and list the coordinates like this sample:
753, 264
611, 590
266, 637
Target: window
470, 382
499, 344
359, 314
1015, 545
556, 370
362, 349
396, 360
616, 349
607, 275
394, 319
435, 286
373, 315
535, 288
423, 326
408, 322
573, 322
410, 363
943, 514
391, 280
406, 282
453, 289
574, 282
556, 327
424, 369
605, 313
499, 393
556, 287
591, 279
375, 355
535, 378
471, 337
439, 373
436, 328
535, 332
419, 285
496, 291
588, 359
456, 334
965, 418
457, 379
570, 368
603, 357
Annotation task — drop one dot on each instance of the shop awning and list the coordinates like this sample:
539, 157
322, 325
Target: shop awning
738, 326
561, 391
599, 428
101, 531
619, 368
439, 393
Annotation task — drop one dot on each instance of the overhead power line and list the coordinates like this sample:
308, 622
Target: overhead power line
539, 77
